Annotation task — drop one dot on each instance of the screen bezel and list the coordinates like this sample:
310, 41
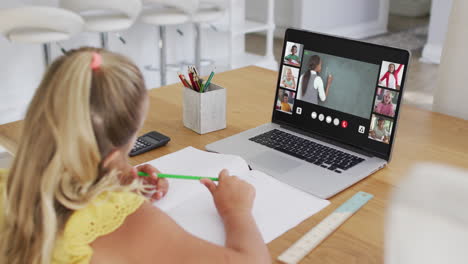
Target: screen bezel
298, 34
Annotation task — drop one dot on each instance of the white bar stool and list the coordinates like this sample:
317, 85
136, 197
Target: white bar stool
105, 16
163, 13
208, 11
39, 25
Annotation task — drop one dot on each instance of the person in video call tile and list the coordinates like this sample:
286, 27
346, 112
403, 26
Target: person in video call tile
391, 77
289, 81
379, 132
386, 107
292, 58
311, 87
284, 103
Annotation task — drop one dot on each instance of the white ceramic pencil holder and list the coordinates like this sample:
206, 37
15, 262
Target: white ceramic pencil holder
205, 112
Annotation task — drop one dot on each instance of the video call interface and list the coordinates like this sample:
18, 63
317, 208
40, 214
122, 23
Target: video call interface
356, 98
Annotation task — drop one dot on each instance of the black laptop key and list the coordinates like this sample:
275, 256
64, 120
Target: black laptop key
292, 153
307, 150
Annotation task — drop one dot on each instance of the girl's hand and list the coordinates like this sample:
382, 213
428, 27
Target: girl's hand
231, 195
159, 185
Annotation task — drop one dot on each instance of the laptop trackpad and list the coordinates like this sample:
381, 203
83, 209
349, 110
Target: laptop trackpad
274, 162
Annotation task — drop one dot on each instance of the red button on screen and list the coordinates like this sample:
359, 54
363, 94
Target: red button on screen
344, 124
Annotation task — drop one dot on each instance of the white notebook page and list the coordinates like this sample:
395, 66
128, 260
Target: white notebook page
193, 162
278, 207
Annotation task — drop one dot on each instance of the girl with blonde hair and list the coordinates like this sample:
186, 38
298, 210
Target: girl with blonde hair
289, 81
71, 196
386, 106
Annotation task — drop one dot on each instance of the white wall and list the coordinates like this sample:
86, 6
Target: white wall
336, 13
451, 94
354, 19
20, 72
440, 12
286, 14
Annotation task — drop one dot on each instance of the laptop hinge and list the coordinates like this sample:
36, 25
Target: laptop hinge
329, 141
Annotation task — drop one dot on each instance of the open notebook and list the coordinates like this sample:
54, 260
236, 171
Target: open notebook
277, 207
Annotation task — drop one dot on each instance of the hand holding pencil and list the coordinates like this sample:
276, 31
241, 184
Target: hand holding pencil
160, 186
228, 186
232, 195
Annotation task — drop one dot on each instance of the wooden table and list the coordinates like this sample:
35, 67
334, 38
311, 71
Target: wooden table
422, 136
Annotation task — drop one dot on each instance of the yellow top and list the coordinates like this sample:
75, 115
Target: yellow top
285, 107
102, 216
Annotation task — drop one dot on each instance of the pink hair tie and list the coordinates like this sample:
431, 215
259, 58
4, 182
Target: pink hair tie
97, 61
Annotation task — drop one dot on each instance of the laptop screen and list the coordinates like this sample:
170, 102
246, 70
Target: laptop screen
341, 89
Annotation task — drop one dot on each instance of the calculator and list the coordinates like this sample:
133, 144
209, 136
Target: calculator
147, 142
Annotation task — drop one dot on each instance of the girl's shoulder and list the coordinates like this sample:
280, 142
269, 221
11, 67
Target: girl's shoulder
103, 215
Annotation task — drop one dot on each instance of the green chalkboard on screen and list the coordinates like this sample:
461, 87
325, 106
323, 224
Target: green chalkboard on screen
353, 86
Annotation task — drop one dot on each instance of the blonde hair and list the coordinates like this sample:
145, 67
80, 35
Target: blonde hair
76, 118
389, 93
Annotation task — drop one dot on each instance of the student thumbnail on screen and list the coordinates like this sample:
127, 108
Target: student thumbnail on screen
391, 75
289, 77
293, 54
386, 102
380, 129
285, 101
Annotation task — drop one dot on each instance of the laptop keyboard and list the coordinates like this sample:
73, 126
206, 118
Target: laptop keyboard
307, 150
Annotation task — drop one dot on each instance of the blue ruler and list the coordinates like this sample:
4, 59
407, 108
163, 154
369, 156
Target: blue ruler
320, 232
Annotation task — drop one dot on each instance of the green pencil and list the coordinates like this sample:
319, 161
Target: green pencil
172, 176
207, 83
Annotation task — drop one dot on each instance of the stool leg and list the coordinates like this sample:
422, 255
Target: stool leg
47, 54
162, 54
104, 40
197, 46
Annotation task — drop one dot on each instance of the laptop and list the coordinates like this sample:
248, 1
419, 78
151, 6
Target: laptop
334, 117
